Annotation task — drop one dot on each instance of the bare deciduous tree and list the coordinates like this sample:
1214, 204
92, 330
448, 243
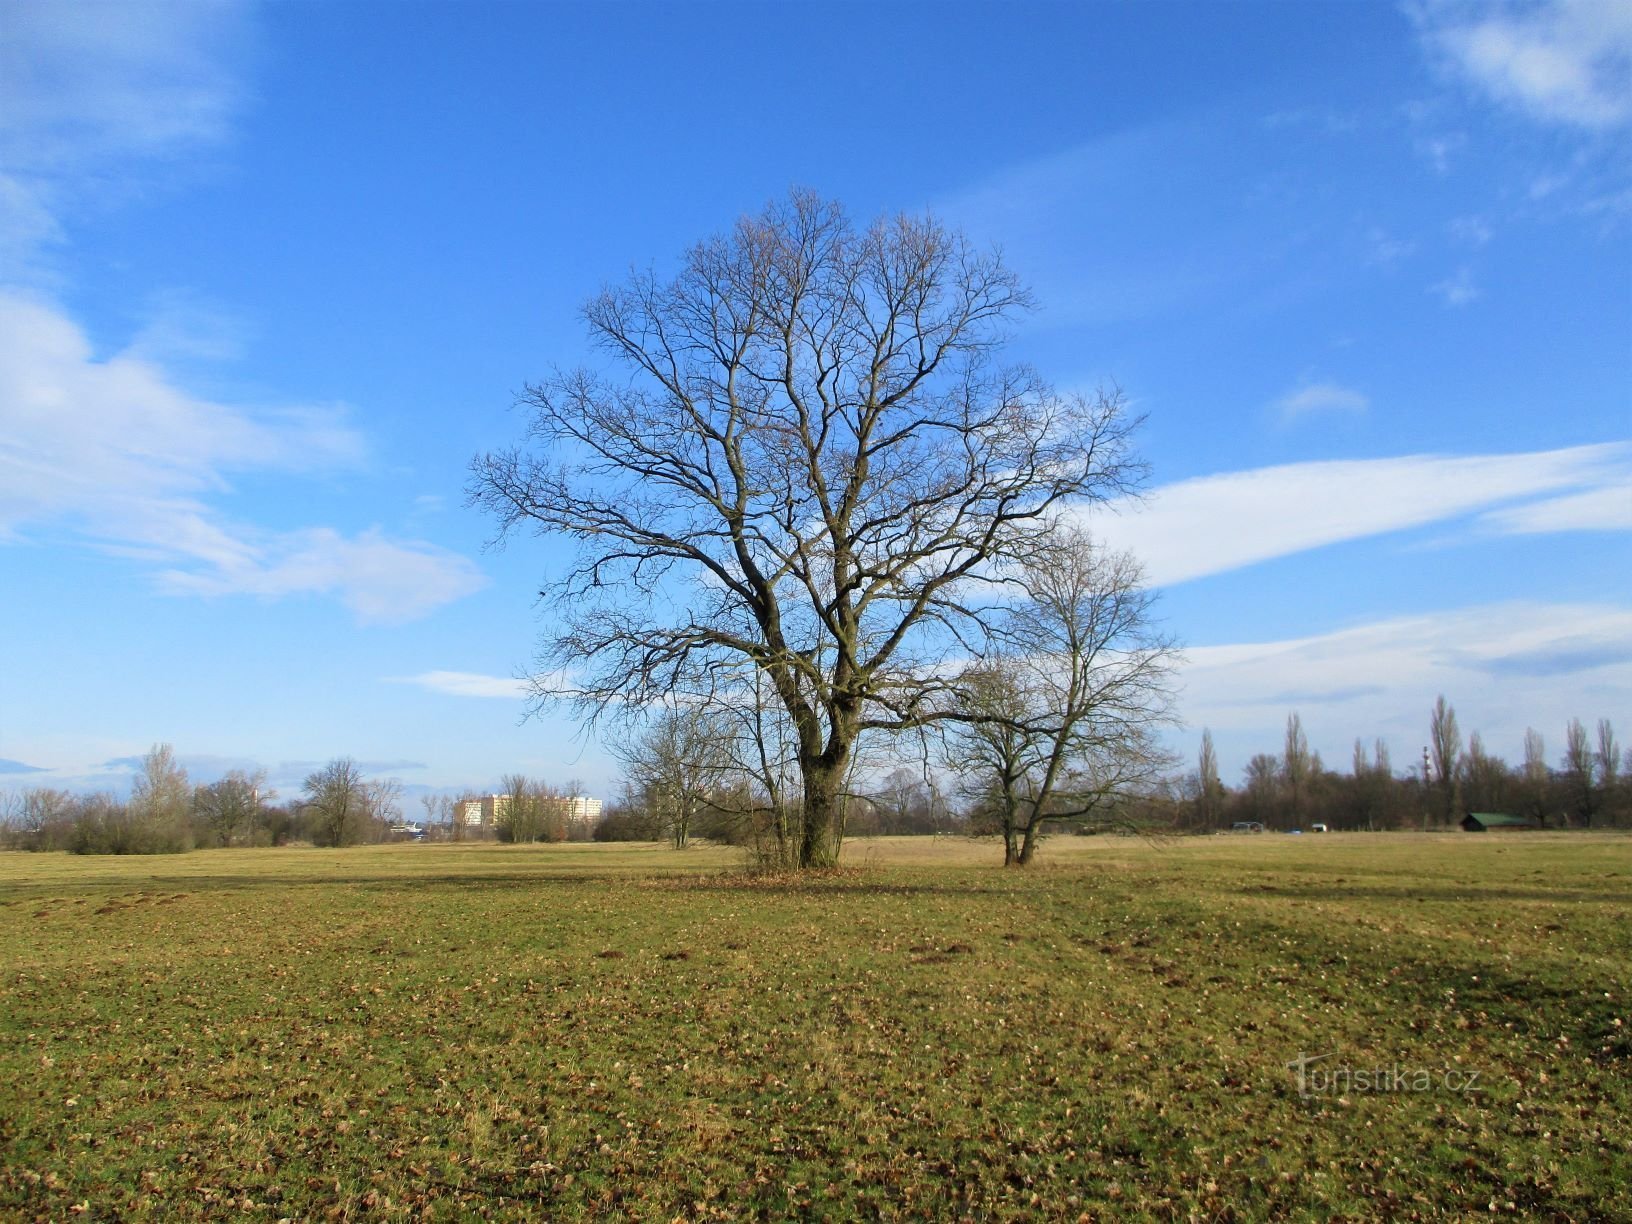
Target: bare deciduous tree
336, 795
1261, 783
229, 808
1296, 765
1061, 719
1609, 756
816, 451
1210, 788
1581, 772
1536, 774
1484, 777
1445, 743
675, 764
161, 800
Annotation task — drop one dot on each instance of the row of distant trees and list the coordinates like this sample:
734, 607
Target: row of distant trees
686, 776
167, 814
337, 805
725, 775
1588, 785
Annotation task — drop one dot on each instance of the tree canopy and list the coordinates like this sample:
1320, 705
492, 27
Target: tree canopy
804, 459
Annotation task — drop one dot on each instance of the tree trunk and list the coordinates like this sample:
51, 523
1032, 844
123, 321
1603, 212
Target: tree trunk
818, 847
1028, 844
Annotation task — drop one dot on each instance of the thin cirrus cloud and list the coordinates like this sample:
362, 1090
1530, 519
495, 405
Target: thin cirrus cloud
130, 462
476, 684
1317, 398
92, 93
466, 684
1567, 61
1501, 663
1603, 509
1214, 524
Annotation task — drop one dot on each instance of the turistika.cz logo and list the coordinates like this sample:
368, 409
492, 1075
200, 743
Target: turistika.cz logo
1316, 1077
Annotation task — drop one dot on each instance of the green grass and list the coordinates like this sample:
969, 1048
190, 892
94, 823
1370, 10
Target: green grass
564, 1032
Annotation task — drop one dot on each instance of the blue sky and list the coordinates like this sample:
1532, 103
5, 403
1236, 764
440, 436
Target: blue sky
271, 275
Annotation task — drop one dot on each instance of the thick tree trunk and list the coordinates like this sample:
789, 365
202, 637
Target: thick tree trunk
818, 847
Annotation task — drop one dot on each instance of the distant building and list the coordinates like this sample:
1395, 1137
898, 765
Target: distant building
474, 813
579, 811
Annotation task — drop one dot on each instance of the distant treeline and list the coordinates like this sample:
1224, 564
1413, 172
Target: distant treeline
675, 790
1588, 785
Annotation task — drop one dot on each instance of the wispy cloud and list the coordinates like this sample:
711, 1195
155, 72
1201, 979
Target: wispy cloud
113, 447
1458, 289
1473, 231
1315, 398
466, 684
1218, 523
96, 92
382, 581
1387, 250
1499, 664
1608, 508
1562, 61
118, 452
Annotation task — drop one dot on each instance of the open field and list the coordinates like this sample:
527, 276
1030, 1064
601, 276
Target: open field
564, 1032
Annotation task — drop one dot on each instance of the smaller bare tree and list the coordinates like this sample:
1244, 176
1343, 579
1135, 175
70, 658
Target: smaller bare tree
1445, 742
229, 809
1609, 762
161, 802
1296, 765
1059, 719
1581, 772
675, 762
337, 798
1209, 787
1536, 776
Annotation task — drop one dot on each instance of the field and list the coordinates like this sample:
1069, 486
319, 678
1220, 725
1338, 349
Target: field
569, 1032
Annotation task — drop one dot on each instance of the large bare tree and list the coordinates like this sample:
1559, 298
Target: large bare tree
803, 450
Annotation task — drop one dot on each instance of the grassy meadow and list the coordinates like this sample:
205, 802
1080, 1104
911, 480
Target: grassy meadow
613, 1032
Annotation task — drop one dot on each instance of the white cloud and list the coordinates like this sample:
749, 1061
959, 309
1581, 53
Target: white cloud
92, 92
118, 452
1218, 523
1564, 61
467, 684
1387, 250
1503, 666
1457, 289
1472, 230
382, 581
1320, 397
1604, 509
1438, 150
